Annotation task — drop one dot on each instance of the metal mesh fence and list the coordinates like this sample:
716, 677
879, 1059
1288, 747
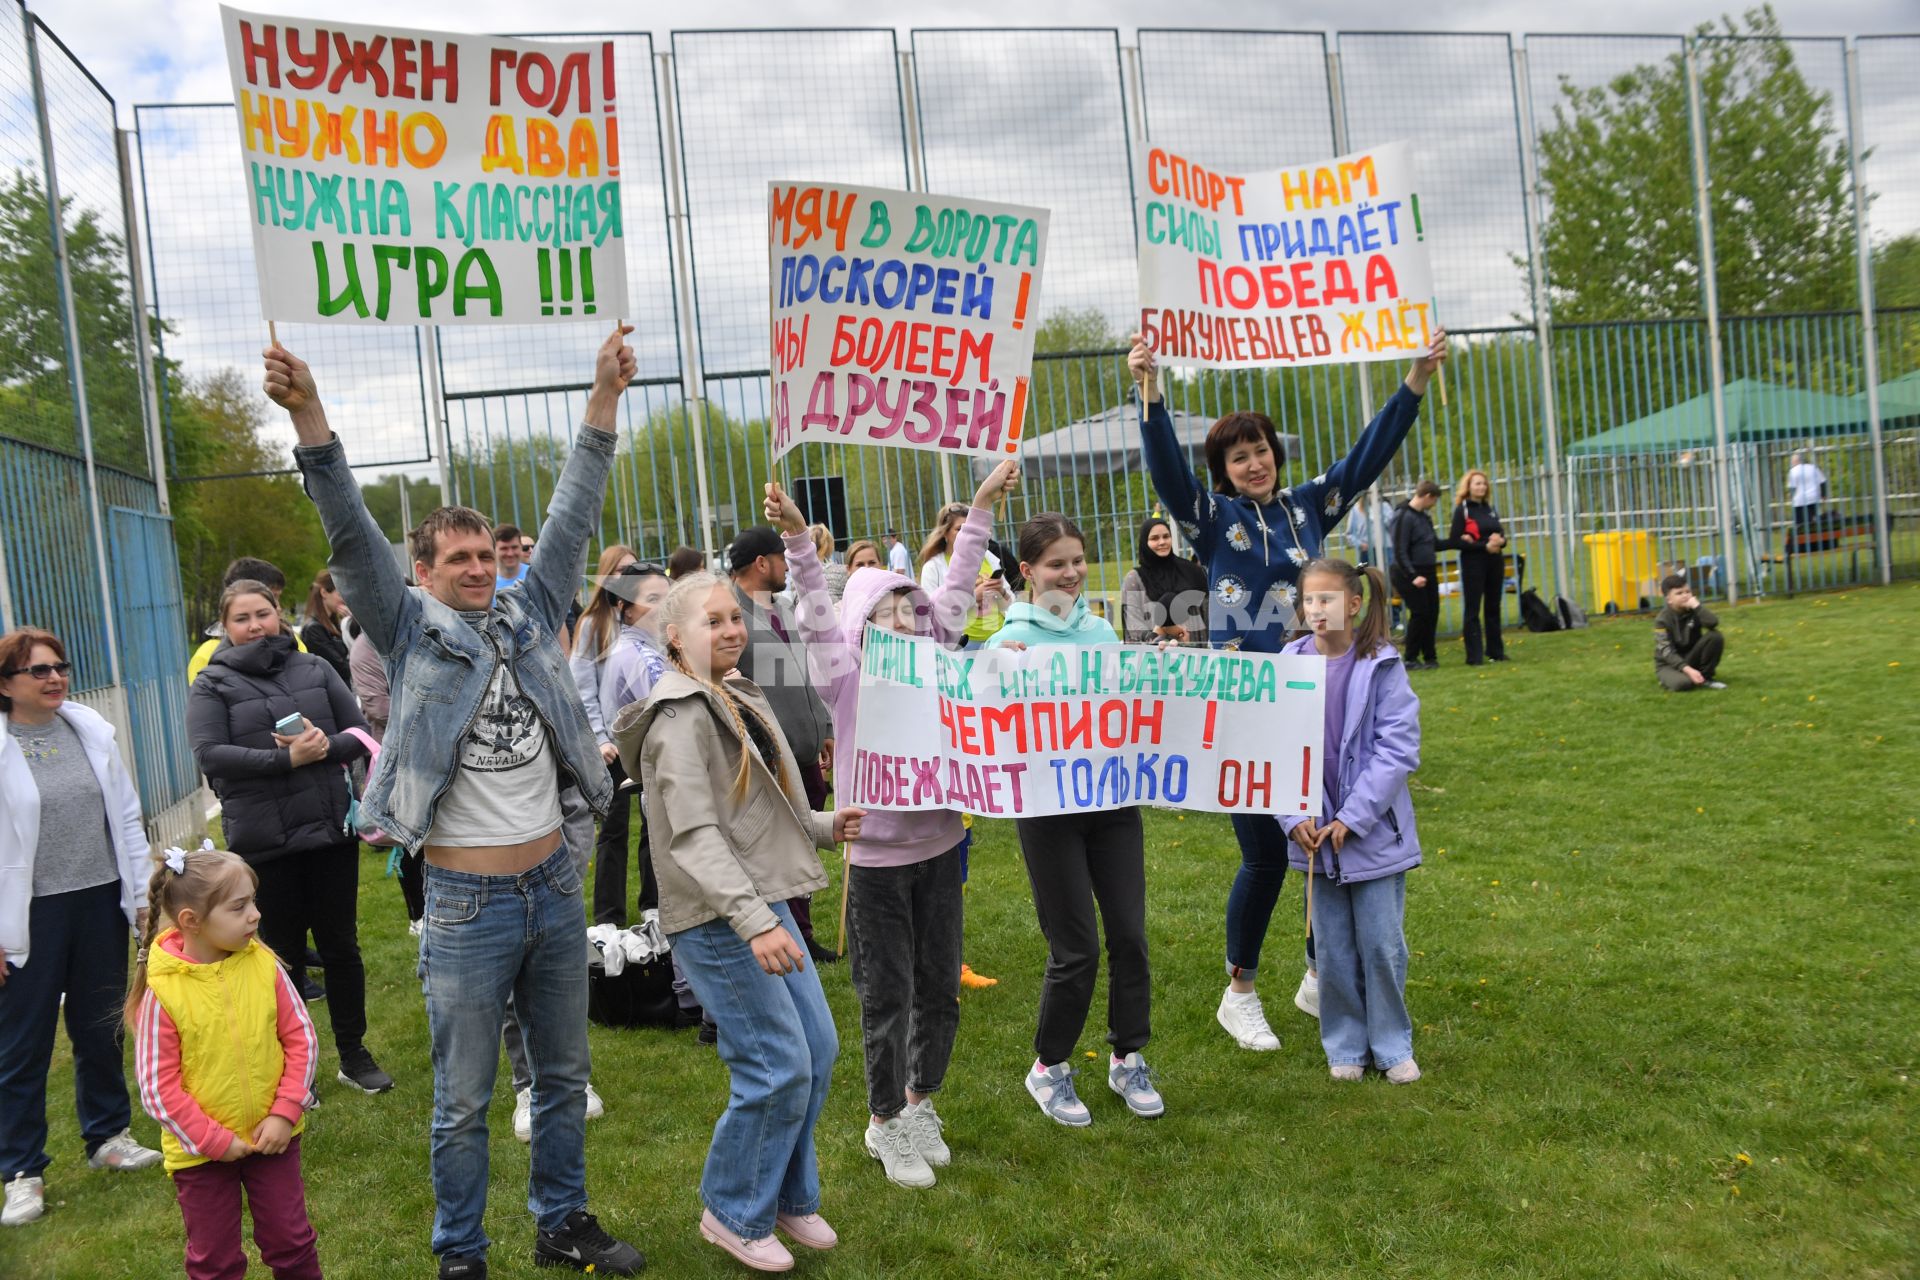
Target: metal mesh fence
508, 357
1624, 383
205, 292
36, 399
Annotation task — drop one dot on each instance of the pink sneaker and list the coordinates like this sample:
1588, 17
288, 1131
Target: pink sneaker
809, 1229
765, 1254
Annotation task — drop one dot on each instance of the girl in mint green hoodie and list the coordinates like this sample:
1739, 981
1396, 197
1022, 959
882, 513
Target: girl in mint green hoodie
1088, 869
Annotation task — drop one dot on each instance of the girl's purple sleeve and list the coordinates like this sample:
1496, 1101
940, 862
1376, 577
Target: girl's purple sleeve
831, 661
1396, 750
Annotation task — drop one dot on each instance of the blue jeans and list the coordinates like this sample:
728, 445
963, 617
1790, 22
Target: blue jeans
488, 938
778, 1041
1256, 889
79, 944
1363, 971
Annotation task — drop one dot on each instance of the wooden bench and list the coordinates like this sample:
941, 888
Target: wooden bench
1851, 536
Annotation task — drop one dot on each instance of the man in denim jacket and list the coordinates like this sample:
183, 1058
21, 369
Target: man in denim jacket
486, 730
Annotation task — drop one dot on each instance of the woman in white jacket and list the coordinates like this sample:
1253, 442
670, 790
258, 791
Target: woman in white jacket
74, 863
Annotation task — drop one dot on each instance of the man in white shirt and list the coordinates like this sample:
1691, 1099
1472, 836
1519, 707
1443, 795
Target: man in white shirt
897, 558
1806, 485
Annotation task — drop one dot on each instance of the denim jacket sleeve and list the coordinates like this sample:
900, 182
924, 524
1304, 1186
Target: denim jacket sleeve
1393, 754
572, 516
361, 560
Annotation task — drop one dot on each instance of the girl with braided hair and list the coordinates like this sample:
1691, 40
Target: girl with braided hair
224, 1054
732, 840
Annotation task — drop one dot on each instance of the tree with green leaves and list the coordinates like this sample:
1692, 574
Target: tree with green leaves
1616, 167
216, 425
36, 391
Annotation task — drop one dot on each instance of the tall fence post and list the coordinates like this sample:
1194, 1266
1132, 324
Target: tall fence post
1559, 533
1869, 335
70, 320
692, 360
142, 334
917, 181
1337, 93
1710, 297
439, 428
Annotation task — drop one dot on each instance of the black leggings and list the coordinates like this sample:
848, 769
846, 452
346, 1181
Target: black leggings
1483, 579
1423, 609
319, 890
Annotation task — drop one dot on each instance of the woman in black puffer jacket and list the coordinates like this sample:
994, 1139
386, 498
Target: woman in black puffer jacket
284, 800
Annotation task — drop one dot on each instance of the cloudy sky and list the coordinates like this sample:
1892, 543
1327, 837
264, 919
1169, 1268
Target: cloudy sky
1035, 118
169, 50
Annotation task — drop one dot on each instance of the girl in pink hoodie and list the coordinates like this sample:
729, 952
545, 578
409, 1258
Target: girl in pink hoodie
903, 875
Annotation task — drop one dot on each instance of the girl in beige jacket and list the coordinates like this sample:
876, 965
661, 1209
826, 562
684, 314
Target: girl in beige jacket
732, 839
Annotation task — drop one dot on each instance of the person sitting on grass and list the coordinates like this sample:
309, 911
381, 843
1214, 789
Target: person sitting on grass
1687, 644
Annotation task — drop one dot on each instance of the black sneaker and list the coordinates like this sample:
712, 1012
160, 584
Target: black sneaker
709, 1032
310, 991
358, 1069
820, 954
684, 1018
582, 1245
463, 1269
313, 960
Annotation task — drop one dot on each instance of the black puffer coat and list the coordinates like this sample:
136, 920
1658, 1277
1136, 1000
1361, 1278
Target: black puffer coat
269, 808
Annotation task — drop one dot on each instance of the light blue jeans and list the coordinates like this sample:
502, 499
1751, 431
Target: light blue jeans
1360, 945
778, 1041
488, 938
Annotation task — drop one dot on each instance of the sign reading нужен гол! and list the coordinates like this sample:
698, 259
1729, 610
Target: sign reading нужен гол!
396, 176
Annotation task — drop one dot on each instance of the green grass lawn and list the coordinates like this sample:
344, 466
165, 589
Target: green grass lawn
1663, 985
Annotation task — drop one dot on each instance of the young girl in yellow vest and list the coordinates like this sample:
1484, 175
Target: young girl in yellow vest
224, 1054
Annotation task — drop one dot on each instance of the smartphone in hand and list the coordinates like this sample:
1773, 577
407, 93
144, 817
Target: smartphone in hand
289, 725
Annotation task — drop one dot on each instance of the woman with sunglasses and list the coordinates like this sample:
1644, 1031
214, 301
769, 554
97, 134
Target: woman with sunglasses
73, 878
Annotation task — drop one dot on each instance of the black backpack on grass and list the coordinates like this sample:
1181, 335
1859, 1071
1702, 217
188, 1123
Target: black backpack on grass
1535, 612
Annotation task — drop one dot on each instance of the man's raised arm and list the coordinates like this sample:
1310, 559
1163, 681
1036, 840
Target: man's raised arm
574, 513
362, 563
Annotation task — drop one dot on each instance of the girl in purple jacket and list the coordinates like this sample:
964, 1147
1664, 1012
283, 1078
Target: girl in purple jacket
904, 872
1357, 855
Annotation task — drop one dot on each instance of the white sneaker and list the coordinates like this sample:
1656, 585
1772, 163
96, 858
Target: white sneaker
1403, 1072
1716, 684
595, 1107
1348, 1071
417, 927
122, 1152
892, 1145
523, 1115
923, 1126
1307, 997
1240, 1013
26, 1200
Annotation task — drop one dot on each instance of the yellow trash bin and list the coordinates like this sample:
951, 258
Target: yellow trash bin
1623, 568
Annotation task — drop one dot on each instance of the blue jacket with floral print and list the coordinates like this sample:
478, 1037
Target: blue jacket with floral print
1254, 552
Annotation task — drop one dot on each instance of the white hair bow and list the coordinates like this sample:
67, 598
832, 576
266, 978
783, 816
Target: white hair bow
176, 860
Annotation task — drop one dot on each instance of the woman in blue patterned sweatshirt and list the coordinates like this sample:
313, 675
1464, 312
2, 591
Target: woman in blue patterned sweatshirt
1254, 537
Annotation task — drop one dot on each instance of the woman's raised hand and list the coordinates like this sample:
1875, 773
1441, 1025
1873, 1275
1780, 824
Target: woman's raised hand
1000, 482
782, 511
1144, 368
1427, 365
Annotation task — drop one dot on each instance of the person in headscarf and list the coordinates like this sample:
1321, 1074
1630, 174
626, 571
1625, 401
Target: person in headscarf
1164, 596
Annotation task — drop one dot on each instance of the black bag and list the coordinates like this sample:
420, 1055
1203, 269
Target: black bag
1535, 613
1572, 617
641, 995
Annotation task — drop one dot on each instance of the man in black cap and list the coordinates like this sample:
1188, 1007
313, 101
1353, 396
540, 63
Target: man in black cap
776, 659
